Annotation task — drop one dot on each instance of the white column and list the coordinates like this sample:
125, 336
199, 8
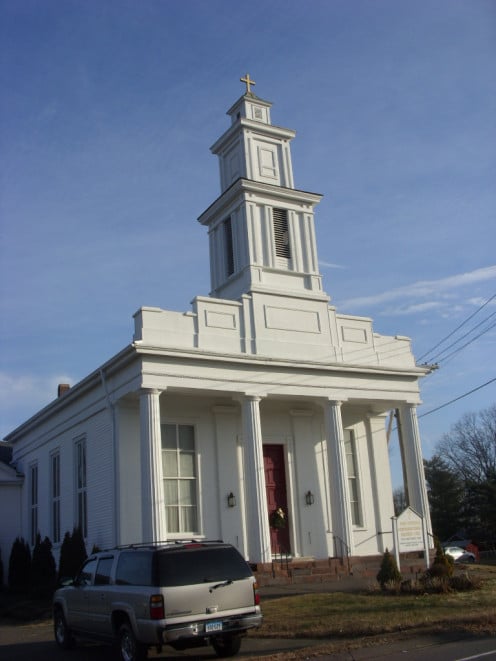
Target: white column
152, 490
232, 519
338, 476
380, 477
256, 497
414, 464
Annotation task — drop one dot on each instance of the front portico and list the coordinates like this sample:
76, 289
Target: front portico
336, 449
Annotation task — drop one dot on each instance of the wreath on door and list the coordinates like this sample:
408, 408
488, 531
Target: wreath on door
278, 518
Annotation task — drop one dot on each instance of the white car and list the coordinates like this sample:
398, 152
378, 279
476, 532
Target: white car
458, 554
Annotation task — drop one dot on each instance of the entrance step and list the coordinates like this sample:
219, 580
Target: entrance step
284, 571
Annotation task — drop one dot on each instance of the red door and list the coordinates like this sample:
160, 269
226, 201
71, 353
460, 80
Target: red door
277, 502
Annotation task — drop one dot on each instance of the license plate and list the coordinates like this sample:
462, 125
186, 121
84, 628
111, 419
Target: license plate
213, 626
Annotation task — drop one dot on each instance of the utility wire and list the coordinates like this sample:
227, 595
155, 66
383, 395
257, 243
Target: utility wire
438, 408
437, 356
453, 353
457, 328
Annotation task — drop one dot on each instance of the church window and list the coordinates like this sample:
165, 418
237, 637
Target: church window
33, 497
228, 246
353, 481
81, 495
55, 496
180, 483
281, 232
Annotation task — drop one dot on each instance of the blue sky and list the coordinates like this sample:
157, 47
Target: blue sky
107, 114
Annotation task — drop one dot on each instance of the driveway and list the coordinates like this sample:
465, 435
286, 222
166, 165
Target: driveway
35, 641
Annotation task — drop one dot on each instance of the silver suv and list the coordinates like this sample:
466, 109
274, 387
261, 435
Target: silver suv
183, 594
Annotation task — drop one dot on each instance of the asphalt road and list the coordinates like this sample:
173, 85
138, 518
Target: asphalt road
35, 641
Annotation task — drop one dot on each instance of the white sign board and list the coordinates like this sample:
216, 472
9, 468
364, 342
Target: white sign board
410, 531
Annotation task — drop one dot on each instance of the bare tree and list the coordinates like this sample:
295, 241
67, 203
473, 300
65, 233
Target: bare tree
470, 446
469, 452
399, 500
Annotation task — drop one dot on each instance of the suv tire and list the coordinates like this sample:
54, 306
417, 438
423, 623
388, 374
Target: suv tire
63, 635
225, 646
129, 648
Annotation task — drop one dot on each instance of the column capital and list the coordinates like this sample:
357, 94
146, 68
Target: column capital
409, 406
249, 397
335, 401
151, 391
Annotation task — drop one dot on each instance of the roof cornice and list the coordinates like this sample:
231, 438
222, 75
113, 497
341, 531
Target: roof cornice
247, 186
83, 386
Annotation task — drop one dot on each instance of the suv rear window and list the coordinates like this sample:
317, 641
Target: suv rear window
201, 565
134, 568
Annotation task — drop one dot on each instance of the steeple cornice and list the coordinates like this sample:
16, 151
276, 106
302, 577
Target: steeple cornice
244, 124
248, 187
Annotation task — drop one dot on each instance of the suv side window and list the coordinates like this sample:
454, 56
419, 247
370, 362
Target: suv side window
102, 576
85, 576
134, 568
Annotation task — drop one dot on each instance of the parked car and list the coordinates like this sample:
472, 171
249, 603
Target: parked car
183, 594
458, 554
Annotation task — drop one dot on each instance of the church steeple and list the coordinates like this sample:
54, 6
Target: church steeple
261, 228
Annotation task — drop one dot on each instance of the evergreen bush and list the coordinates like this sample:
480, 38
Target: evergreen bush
19, 578
43, 571
442, 566
389, 574
72, 554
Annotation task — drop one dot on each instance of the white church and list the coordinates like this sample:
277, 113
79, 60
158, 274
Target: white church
259, 416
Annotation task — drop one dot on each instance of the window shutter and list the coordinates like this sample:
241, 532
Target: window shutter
281, 233
228, 246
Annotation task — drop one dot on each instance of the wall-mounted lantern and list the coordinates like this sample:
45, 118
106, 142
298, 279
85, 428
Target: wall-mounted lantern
309, 498
231, 500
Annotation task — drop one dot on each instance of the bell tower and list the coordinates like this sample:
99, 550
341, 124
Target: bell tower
261, 228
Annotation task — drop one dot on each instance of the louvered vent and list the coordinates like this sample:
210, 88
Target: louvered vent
228, 246
281, 234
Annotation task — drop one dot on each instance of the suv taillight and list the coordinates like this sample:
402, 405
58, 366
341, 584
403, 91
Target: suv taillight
256, 594
157, 607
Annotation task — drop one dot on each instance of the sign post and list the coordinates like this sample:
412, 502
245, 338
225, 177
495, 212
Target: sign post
410, 534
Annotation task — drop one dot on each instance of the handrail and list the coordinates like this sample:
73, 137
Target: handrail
341, 555
282, 557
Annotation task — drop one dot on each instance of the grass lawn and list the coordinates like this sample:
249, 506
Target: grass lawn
346, 620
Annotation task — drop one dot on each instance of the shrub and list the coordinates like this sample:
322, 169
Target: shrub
442, 565
43, 571
72, 554
19, 566
389, 573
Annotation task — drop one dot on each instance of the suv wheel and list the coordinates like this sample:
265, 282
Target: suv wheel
129, 648
225, 646
63, 635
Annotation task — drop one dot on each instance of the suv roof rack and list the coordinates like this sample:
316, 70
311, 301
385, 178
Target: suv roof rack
167, 542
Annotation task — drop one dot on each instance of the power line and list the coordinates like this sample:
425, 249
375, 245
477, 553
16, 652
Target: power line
437, 356
456, 399
457, 328
450, 355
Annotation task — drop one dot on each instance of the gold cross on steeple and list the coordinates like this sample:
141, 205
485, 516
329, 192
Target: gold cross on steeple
248, 82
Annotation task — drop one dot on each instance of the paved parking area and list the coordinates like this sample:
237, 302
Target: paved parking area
35, 641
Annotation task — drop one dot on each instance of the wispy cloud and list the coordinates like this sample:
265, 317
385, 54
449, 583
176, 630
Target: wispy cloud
330, 265
23, 395
421, 290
